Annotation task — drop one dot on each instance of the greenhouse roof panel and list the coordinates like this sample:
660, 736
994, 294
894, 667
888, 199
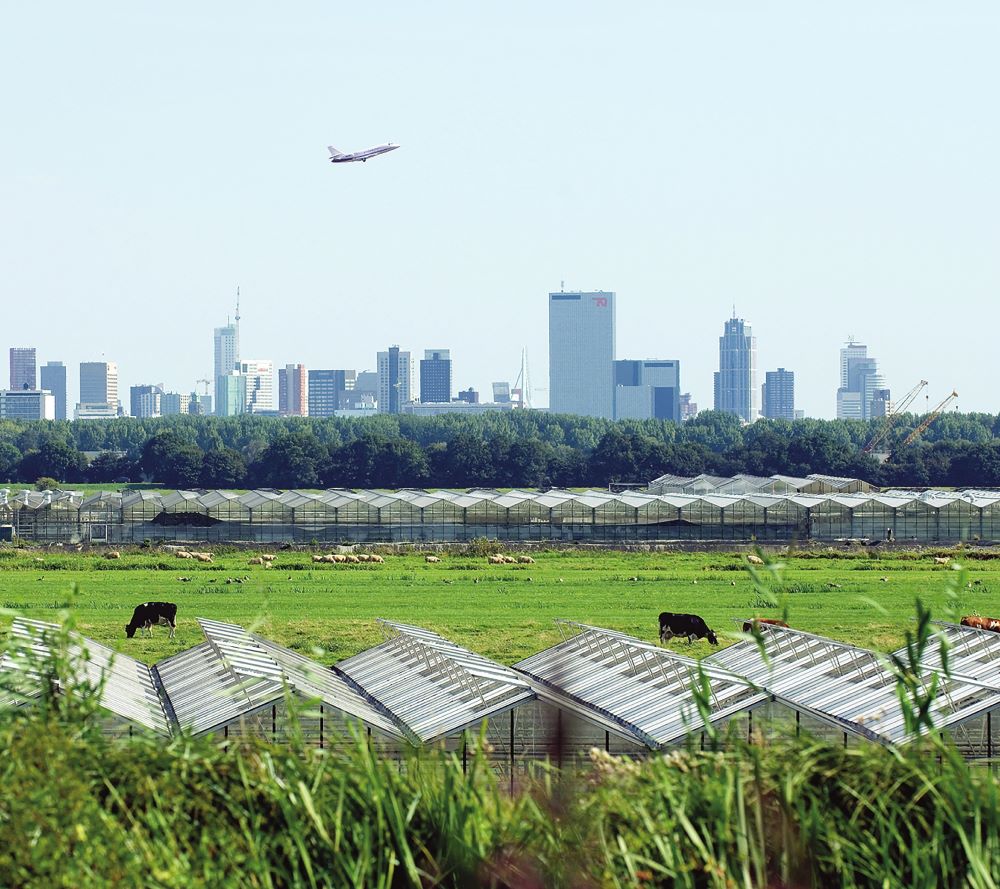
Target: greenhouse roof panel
643, 691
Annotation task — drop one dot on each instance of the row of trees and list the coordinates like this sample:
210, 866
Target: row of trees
522, 449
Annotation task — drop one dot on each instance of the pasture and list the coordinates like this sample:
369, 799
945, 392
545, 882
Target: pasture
506, 612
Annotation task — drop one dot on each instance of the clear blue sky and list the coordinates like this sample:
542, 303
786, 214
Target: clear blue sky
832, 169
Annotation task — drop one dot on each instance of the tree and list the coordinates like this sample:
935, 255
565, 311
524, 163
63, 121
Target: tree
223, 468
55, 458
109, 466
172, 460
292, 461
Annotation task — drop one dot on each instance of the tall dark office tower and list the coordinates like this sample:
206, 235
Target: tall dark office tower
54, 380
736, 380
395, 380
435, 376
778, 394
581, 353
861, 385
22, 368
326, 388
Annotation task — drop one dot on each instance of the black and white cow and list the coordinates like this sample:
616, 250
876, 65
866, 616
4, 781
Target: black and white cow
148, 614
689, 625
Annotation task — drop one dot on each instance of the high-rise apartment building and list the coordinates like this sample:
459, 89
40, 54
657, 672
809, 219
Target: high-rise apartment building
736, 379
327, 389
435, 376
22, 368
293, 391
172, 404
259, 385
395, 380
647, 390
778, 394
689, 408
146, 400
862, 393
98, 391
581, 353
54, 380
227, 352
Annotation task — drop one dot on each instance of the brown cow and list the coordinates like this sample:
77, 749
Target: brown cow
981, 623
762, 621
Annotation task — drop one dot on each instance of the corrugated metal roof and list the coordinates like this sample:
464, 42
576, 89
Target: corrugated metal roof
432, 687
631, 687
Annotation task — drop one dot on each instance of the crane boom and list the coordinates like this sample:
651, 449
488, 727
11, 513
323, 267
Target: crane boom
930, 418
890, 419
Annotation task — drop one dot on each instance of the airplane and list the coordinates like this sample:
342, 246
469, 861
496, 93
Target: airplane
339, 157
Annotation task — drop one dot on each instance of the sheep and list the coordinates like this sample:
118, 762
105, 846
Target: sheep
183, 554
319, 558
354, 560
525, 560
942, 560
431, 559
204, 557
364, 557
495, 560
339, 558
112, 554
257, 560
269, 558
754, 560
378, 560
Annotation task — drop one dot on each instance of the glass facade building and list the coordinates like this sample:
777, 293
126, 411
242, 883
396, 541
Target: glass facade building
582, 353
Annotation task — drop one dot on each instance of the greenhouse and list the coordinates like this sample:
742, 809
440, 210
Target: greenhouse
854, 690
128, 695
416, 516
643, 696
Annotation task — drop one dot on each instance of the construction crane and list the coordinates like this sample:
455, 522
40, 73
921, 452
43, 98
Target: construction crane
890, 418
930, 418
206, 382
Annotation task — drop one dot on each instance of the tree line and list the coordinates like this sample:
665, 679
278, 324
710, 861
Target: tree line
511, 449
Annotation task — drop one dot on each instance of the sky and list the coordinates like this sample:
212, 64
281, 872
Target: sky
828, 169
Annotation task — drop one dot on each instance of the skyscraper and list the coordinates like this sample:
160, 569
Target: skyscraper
98, 391
395, 380
293, 391
862, 393
54, 380
778, 394
227, 354
326, 389
435, 376
260, 384
647, 390
581, 353
736, 379
22, 368
231, 394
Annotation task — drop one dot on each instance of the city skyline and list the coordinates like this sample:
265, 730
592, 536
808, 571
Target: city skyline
819, 214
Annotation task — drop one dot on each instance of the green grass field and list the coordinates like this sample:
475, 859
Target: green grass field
503, 611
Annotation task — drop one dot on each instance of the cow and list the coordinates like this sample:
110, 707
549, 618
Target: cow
150, 613
981, 623
689, 625
762, 621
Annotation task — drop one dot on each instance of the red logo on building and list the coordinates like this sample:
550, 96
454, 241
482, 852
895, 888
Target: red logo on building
601, 302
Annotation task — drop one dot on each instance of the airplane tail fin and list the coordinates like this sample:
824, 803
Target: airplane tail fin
334, 152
